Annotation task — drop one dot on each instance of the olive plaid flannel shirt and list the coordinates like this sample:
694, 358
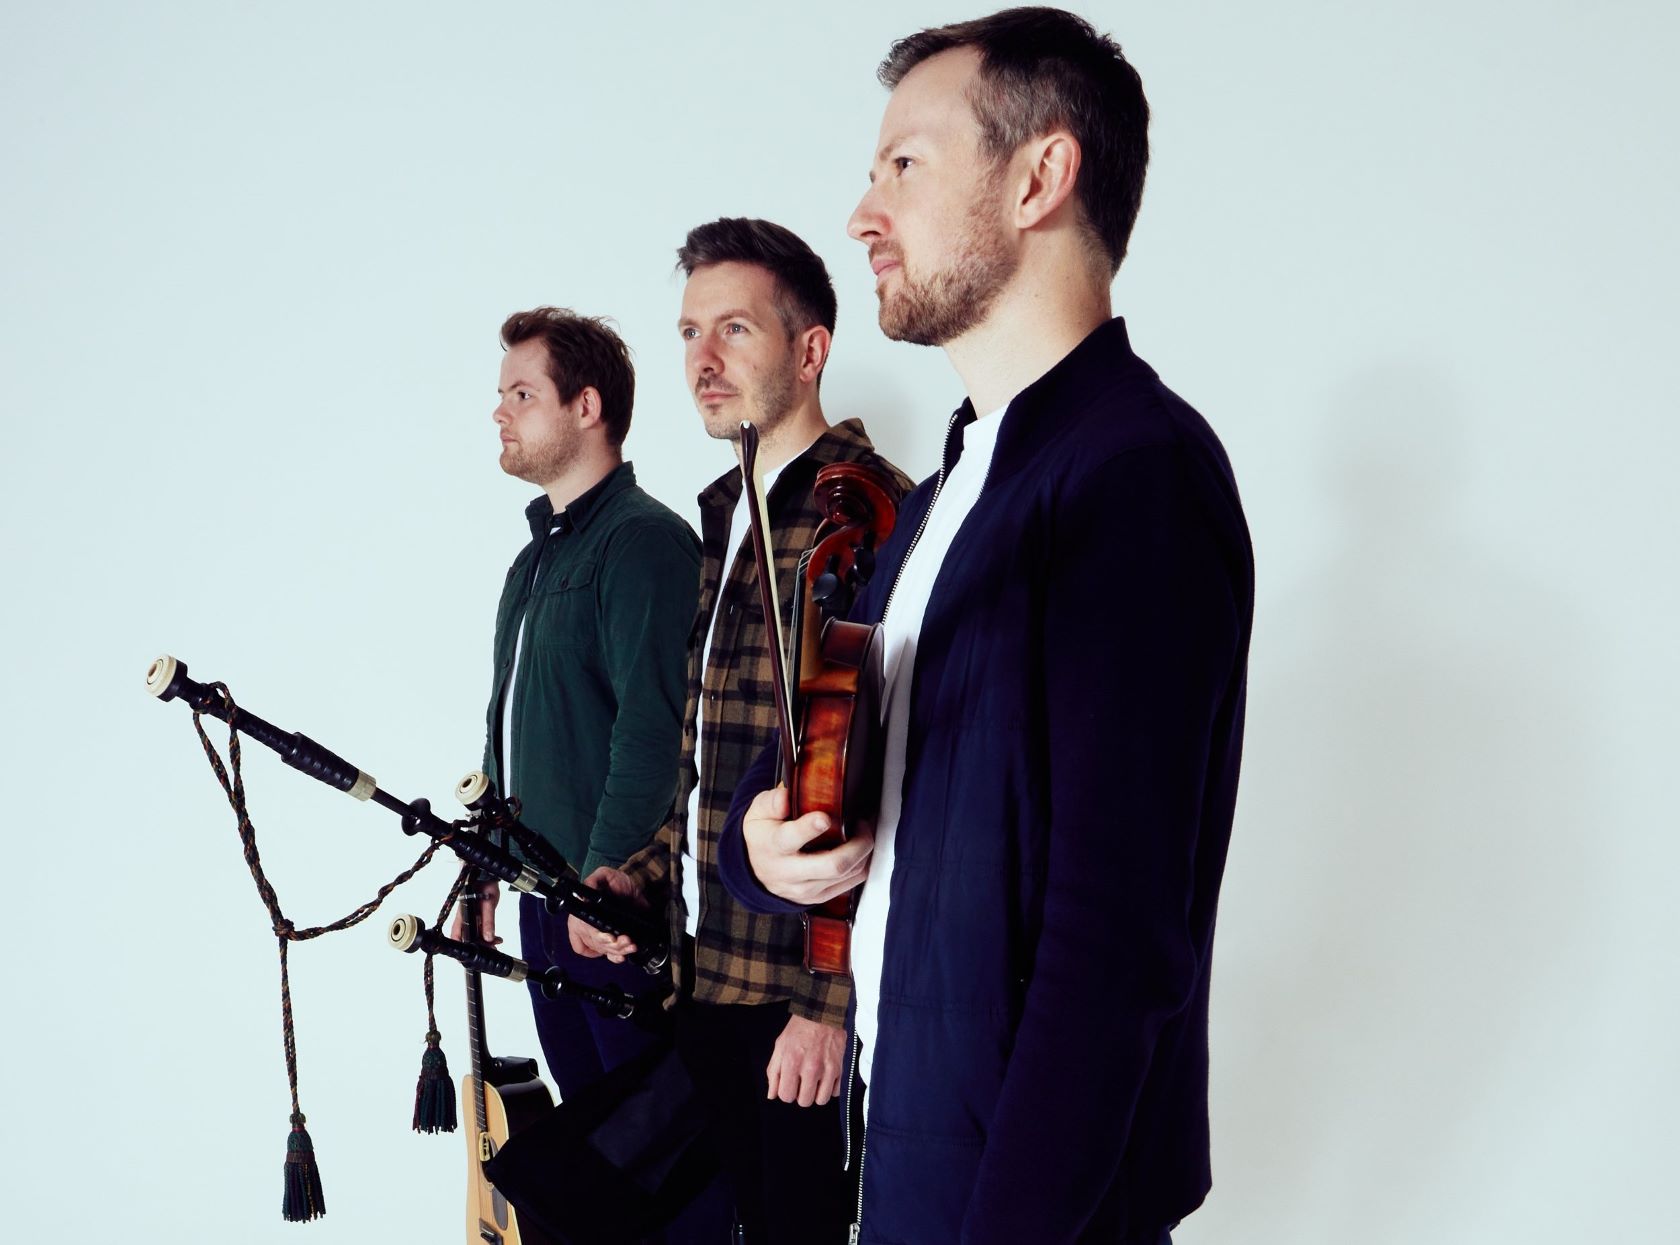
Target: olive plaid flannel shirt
742, 956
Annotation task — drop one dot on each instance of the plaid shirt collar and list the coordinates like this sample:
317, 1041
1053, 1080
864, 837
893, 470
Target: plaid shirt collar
843, 442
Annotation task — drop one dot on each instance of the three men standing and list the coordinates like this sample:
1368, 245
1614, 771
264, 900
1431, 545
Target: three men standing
1066, 610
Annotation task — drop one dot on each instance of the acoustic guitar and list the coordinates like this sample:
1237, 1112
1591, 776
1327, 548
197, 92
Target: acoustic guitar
499, 1098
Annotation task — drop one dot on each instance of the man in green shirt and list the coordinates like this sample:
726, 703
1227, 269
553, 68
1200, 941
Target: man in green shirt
586, 704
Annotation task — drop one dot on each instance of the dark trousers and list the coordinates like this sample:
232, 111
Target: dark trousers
579, 1044
783, 1161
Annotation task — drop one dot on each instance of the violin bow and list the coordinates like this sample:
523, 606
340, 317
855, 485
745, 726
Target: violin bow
762, 554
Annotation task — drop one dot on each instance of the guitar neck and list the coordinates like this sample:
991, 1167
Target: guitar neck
471, 928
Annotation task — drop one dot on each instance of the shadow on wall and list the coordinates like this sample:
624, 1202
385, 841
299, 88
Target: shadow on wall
1404, 934
910, 438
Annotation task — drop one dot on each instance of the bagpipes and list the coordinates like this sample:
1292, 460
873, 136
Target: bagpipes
409, 933
479, 839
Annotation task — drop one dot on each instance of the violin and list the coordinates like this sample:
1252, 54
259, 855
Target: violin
827, 683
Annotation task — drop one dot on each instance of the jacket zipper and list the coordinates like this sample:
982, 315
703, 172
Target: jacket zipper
846, 1130
857, 1224
857, 1044
846, 1101
944, 469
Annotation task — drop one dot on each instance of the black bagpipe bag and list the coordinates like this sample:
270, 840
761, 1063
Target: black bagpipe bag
616, 1161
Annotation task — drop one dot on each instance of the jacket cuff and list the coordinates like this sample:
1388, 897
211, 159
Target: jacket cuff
736, 872
650, 868
594, 860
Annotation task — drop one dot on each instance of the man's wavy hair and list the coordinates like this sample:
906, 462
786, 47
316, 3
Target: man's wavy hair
583, 352
1043, 69
804, 292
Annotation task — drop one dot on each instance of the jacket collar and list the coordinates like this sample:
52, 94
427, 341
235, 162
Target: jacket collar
1033, 419
585, 506
843, 442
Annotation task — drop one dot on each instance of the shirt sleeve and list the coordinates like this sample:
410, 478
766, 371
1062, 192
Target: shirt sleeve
650, 868
648, 598
824, 998
1143, 642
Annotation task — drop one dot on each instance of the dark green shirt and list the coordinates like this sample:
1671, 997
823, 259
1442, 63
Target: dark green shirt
607, 591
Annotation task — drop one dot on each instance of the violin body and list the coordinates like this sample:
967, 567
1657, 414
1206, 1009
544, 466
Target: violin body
839, 770
829, 705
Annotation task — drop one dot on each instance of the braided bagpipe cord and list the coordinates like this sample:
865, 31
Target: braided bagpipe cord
434, 1093
303, 1198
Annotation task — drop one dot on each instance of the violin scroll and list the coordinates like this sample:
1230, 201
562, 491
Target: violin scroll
858, 515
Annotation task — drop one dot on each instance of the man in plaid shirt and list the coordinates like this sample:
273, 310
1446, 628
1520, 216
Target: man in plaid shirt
764, 1039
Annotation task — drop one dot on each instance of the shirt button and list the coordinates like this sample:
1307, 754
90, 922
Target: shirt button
732, 609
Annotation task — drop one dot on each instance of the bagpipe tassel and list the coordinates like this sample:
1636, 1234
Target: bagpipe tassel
304, 1199
434, 1093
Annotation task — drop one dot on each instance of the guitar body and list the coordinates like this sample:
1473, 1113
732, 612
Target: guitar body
514, 1098
499, 1098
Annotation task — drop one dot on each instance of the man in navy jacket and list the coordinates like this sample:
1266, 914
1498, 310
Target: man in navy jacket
1067, 611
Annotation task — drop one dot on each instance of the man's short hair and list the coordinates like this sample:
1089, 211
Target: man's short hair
583, 352
1042, 69
804, 292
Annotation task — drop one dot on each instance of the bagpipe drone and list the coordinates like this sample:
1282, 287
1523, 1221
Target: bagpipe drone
492, 843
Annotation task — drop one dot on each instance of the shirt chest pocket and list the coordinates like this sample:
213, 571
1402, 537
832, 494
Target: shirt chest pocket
563, 608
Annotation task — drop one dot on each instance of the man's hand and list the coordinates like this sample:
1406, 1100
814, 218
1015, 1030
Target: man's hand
805, 1066
592, 943
488, 894
776, 850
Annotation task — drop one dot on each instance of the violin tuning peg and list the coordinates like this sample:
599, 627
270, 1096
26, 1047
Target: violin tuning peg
825, 588
863, 562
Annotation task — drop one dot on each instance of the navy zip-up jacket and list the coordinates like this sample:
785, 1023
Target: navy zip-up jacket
1076, 721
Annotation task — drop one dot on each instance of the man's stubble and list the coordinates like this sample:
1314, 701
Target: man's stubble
932, 310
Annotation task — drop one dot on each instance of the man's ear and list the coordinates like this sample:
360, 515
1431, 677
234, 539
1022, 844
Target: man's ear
1051, 166
811, 350
588, 404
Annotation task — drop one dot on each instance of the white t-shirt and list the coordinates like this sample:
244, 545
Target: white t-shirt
900, 629
513, 676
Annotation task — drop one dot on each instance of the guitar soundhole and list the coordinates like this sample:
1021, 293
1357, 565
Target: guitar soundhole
498, 1203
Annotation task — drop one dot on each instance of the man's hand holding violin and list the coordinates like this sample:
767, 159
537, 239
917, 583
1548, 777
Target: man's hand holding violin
776, 850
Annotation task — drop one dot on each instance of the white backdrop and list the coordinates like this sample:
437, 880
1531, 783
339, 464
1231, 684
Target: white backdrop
1413, 261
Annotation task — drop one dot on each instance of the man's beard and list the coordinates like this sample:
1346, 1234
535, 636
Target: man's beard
768, 405
541, 464
945, 305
